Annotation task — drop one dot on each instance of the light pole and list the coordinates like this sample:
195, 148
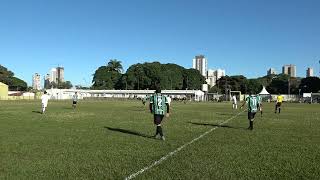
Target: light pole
289, 86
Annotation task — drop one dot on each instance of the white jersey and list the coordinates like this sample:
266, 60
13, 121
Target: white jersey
169, 100
234, 99
44, 100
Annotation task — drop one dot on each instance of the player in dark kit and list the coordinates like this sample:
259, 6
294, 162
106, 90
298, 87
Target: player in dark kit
74, 100
252, 102
159, 107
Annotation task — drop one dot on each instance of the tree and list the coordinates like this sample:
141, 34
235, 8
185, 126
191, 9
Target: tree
148, 76
14, 83
233, 83
65, 85
192, 79
310, 84
106, 77
114, 66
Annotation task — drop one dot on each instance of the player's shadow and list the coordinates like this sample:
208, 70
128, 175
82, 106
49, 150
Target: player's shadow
214, 125
129, 132
38, 112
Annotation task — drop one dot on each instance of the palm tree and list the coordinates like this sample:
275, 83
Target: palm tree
115, 65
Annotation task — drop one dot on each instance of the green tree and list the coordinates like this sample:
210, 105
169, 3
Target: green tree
310, 84
192, 79
14, 83
106, 77
114, 66
65, 85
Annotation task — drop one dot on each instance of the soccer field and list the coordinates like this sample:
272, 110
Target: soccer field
112, 140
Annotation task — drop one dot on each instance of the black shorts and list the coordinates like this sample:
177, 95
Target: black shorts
158, 119
74, 102
251, 115
279, 104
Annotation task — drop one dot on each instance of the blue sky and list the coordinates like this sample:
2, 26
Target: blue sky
242, 36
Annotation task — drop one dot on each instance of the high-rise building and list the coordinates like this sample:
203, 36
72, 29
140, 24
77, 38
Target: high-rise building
36, 81
310, 72
53, 75
201, 64
214, 75
47, 81
60, 74
271, 71
57, 75
290, 70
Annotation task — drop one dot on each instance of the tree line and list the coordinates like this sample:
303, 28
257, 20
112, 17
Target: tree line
171, 76
274, 84
146, 76
14, 83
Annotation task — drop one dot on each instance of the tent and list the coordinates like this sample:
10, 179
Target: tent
264, 91
3, 89
266, 96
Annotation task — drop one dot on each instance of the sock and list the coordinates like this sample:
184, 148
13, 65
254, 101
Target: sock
160, 131
279, 110
261, 113
157, 130
251, 125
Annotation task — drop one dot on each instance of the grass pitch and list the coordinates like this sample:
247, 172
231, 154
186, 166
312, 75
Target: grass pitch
112, 140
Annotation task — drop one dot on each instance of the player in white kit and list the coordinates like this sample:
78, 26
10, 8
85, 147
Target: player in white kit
234, 102
44, 101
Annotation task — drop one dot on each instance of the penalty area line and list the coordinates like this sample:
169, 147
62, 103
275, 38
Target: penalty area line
172, 153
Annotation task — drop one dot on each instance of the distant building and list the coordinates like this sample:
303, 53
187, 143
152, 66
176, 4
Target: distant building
201, 64
47, 81
56, 75
60, 74
214, 75
53, 75
310, 72
290, 70
36, 81
271, 71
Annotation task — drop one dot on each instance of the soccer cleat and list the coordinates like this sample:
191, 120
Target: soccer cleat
157, 136
163, 138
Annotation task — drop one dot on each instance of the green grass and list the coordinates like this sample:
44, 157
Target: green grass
110, 140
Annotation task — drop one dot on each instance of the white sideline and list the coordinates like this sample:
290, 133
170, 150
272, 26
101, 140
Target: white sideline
134, 175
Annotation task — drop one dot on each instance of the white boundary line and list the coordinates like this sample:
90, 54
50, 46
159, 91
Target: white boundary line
134, 175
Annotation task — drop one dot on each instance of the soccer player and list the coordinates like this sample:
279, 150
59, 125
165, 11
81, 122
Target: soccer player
44, 101
74, 100
260, 104
169, 100
252, 104
234, 102
144, 100
159, 107
278, 104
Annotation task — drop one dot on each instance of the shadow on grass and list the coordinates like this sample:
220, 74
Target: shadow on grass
38, 112
129, 132
215, 125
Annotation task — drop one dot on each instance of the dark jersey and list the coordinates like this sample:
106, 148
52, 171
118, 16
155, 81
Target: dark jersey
252, 102
159, 104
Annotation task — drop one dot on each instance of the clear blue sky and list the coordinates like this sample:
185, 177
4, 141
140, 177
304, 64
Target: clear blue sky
242, 36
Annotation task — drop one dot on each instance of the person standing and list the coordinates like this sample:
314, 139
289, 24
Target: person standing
260, 104
234, 102
252, 104
278, 103
159, 107
44, 101
75, 100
